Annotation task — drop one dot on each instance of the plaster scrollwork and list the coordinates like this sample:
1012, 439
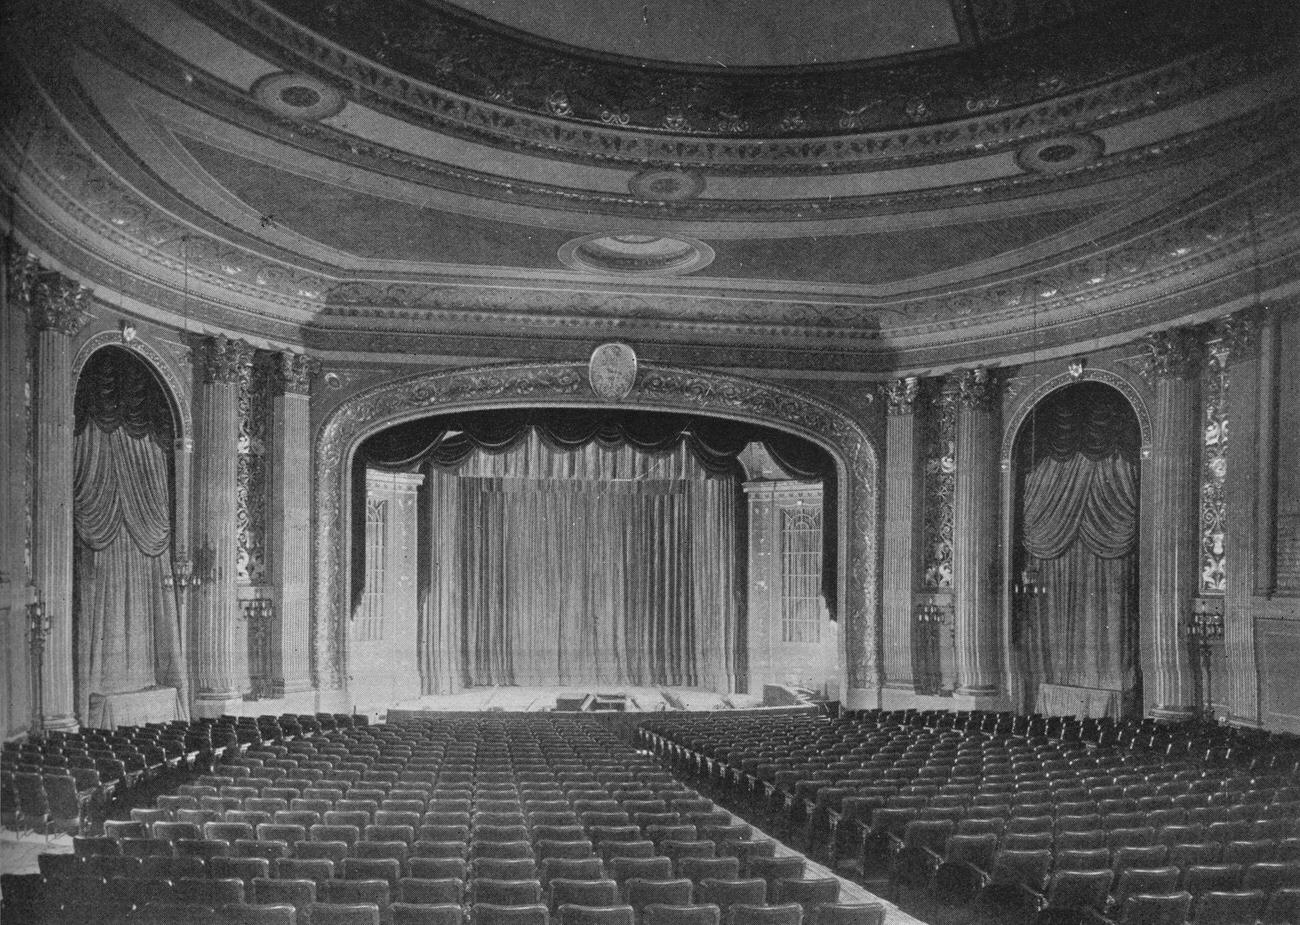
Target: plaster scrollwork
976, 389
1239, 332
1089, 374
294, 372
655, 388
21, 271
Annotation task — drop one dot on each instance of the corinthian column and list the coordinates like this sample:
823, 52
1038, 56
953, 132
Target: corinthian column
902, 506
290, 523
974, 547
1171, 559
220, 643
1241, 339
58, 312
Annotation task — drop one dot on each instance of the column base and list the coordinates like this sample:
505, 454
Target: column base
903, 684
206, 707
61, 723
1252, 722
1172, 714
861, 698
977, 690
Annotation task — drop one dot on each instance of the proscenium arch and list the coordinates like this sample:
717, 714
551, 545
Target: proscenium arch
1011, 682
656, 388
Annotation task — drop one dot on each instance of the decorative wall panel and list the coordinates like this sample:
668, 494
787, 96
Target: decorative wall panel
939, 455
253, 499
1214, 469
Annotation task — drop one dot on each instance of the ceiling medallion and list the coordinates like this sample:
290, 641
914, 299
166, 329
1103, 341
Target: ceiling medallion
1060, 153
635, 254
298, 96
667, 185
612, 371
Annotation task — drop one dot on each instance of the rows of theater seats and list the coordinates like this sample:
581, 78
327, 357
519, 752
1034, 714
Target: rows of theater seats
500, 820
1018, 817
69, 781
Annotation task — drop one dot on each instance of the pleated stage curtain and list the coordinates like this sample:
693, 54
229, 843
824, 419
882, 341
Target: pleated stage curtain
598, 565
1079, 533
127, 628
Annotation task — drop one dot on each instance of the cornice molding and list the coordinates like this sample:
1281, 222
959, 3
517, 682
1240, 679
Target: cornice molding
512, 89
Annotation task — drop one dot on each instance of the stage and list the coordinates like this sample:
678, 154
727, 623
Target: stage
511, 699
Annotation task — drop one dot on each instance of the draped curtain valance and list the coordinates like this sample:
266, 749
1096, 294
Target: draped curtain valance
447, 441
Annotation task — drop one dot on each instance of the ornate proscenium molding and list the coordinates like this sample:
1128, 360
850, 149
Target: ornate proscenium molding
656, 388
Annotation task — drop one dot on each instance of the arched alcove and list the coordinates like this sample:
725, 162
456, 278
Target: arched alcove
128, 647
1072, 561
560, 385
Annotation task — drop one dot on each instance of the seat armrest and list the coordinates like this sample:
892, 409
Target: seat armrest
1033, 898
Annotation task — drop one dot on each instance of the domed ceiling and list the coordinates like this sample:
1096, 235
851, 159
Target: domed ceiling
843, 188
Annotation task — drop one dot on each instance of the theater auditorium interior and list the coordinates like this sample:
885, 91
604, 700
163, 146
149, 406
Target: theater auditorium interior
593, 462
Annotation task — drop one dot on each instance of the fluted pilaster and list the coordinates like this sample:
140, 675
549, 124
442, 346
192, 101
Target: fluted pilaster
290, 539
58, 312
1172, 556
902, 506
219, 637
974, 533
1241, 339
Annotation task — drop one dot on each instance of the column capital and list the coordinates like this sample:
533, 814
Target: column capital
294, 372
222, 359
901, 394
59, 304
976, 388
1172, 354
1239, 332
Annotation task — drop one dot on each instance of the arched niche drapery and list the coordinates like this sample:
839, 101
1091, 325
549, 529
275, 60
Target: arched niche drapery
1130, 392
128, 632
656, 389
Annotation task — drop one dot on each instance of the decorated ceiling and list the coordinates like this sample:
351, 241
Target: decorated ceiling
845, 189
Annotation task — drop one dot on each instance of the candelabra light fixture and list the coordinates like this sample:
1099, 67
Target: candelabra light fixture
1204, 628
1030, 583
929, 613
38, 631
182, 577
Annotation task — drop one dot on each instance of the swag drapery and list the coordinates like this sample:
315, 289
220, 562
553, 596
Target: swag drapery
563, 548
127, 628
1079, 531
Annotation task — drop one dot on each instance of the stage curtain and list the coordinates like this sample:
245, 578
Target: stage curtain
128, 631
1079, 531
580, 561
448, 441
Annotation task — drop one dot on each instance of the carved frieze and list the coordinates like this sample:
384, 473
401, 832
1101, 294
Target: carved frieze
417, 56
223, 359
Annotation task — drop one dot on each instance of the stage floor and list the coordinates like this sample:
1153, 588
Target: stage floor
537, 699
